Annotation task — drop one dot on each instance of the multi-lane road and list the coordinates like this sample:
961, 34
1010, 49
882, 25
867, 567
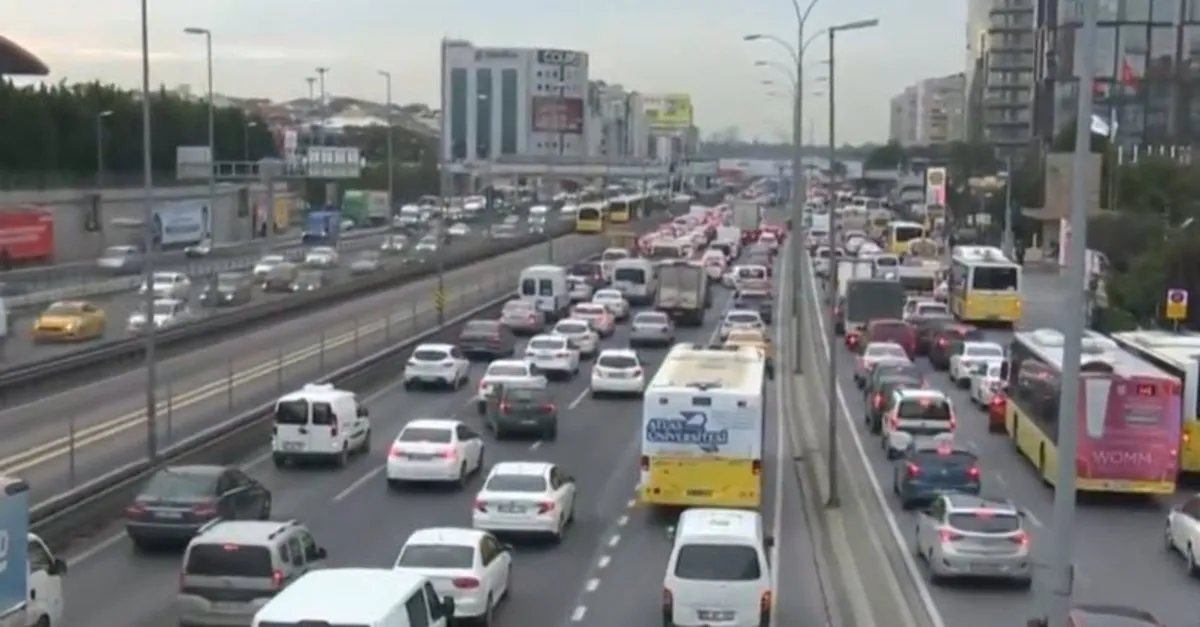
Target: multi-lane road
607, 572
1118, 548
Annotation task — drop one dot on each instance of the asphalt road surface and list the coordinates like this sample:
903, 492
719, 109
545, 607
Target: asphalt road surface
1118, 547
608, 571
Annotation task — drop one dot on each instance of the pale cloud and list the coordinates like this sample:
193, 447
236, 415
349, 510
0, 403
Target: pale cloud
268, 47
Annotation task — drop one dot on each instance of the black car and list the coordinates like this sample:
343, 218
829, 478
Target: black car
947, 341
926, 327
488, 339
756, 300
179, 500
590, 271
523, 410
879, 395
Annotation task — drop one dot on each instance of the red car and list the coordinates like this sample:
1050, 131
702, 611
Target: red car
884, 330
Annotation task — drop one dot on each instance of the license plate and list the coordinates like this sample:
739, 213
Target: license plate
699, 492
722, 615
420, 457
983, 568
511, 509
293, 446
169, 515
226, 608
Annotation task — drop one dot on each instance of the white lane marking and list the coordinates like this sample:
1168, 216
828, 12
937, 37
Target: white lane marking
999, 480
631, 504
910, 564
623, 520
613, 541
536, 445
592, 584
579, 399
358, 483
604, 561
1031, 517
578, 614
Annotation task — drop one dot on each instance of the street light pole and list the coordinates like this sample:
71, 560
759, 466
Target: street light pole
835, 499
100, 148
321, 71
391, 166
1057, 598
148, 236
212, 117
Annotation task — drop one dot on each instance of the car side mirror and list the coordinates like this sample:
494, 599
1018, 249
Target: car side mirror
362, 412
58, 566
318, 553
507, 547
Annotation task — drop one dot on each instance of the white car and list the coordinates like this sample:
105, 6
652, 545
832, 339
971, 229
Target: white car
472, 567
579, 289
740, 319
459, 229
515, 371
321, 257
874, 354
618, 371
714, 263
202, 248
168, 285
912, 413
971, 354
267, 263
436, 364
427, 244
596, 314
553, 354
614, 301
581, 334
985, 382
434, 450
525, 497
168, 312
1183, 532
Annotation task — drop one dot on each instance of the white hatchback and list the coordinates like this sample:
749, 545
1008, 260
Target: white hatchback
597, 315
434, 450
436, 364
614, 301
553, 354
618, 371
740, 319
519, 372
470, 566
525, 497
580, 333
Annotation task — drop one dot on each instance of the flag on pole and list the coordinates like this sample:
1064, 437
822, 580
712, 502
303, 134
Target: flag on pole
1106, 128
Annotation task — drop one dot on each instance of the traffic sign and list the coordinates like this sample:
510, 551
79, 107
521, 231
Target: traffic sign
1177, 304
439, 301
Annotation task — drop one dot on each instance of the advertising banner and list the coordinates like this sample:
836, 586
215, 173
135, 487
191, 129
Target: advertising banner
26, 233
560, 57
282, 216
668, 111
182, 222
553, 114
935, 186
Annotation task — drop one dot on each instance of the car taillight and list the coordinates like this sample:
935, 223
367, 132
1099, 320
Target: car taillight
945, 535
667, 598
333, 430
505, 407
545, 507
764, 602
137, 509
549, 408
973, 473
912, 470
482, 385
645, 462
448, 454
277, 579
852, 339
465, 583
878, 401
953, 422
756, 467
1187, 438
396, 451
205, 509
637, 372
562, 354
894, 422
941, 342
480, 505
998, 401
1021, 538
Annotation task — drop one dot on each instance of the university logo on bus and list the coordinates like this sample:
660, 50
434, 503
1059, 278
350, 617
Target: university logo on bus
691, 427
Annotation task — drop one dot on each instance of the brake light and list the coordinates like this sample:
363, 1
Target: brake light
953, 422
465, 583
764, 602
878, 401
333, 430
396, 451
894, 422
480, 505
637, 372
998, 401
550, 408
941, 342
645, 462
912, 470
756, 467
205, 509
1187, 438
973, 473
1021, 538
277, 579
667, 598
137, 509
545, 507
505, 407
945, 535
448, 454
482, 385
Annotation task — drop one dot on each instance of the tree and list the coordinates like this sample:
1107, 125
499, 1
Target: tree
886, 157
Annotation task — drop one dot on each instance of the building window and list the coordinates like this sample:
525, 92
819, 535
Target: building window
485, 100
458, 113
508, 112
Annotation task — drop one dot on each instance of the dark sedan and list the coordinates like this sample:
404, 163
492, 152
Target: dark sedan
179, 500
759, 301
487, 339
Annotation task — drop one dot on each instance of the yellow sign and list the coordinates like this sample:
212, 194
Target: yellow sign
283, 212
439, 301
1177, 304
668, 111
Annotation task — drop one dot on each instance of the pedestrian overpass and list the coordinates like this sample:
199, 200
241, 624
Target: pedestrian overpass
579, 167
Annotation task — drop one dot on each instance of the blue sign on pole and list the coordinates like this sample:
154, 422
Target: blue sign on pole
14, 546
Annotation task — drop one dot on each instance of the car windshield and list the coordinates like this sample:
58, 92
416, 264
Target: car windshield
370, 256
63, 309
270, 260
882, 351
429, 354
617, 361
426, 434
717, 562
181, 483
949, 459
746, 337
985, 521
924, 409
739, 317
428, 240
650, 318
572, 328
608, 295
925, 309
506, 370
516, 483
452, 556
228, 560
584, 311
546, 343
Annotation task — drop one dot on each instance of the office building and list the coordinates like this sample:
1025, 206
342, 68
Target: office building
929, 113
1000, 66
616, 122
1147, 72
512, 101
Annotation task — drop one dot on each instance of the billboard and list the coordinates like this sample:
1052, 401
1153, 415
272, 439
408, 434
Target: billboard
561, 57
668, 111
182, 222
1058, 184
282, 215
555, 114
26, 233
935, 186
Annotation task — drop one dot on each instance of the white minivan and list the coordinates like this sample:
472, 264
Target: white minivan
319, 422
546, 287
636, 278
363, 597
718, 573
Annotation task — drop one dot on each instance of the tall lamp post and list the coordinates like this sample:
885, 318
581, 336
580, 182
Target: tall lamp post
100, 117
148, 237
391, 165
212, 116
835, 499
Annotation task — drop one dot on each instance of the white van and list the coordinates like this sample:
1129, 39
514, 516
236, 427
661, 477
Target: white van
366, 597
546, 287
637, 279
718, 572
319, 421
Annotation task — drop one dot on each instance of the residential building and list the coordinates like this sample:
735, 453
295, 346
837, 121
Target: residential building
512, 101
930, 112
1001, 49
616, 122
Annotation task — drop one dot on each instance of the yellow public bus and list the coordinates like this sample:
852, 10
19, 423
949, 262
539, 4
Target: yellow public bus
1176, 354
900, 233
620, 210
703, 429
590, 218
984, 286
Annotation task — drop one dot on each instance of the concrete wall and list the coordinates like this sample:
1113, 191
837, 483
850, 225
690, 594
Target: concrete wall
232, 214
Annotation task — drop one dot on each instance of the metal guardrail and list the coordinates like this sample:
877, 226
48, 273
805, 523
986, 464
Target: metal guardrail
72, 514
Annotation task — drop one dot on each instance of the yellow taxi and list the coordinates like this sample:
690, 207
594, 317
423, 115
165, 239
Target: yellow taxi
753, 338
69, 321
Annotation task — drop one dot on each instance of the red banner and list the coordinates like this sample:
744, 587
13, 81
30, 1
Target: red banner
553, 114
26, 233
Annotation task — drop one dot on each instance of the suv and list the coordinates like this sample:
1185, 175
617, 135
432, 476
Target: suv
233, 568
969, 536
522, 409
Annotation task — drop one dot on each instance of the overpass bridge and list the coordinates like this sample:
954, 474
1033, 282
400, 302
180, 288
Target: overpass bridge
17, 61
579, 167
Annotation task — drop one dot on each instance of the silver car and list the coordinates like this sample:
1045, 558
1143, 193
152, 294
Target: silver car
366, 263
522, 317
967, 536
652, 328
121, 260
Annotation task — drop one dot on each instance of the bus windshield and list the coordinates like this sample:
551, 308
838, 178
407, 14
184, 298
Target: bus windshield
588, 213
994, 278
907, 232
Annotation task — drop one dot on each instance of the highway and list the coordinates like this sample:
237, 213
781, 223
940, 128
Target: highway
205, 386
608, 571
20, 347
1118, 547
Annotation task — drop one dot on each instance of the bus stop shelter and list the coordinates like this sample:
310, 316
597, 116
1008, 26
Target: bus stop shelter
17, 61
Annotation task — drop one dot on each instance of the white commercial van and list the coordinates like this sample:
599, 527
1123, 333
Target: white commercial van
718, 573
31, 587
362, 597
319, 422
546, 287
637, 279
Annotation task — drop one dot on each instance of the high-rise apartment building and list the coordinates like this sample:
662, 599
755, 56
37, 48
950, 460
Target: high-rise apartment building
929, 113
1001, 63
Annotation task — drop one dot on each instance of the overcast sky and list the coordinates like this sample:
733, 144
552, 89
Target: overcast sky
267, 47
